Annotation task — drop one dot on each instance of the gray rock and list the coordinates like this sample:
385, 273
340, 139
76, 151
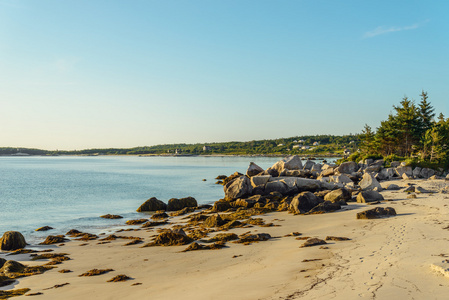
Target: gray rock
386, 173
347, 167
316, 168
340, 179
369, 196
253, 170
260, 180
393, 187
238, 188
417, 172
404, 170
369, 182
309, 164
303, 202
276, 186
327, 172
422, 190
395, 164
306, 184
426, 173
289, 163
372, 169
410, 189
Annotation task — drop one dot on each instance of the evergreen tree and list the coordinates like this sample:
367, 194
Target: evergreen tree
367, 140
408, 124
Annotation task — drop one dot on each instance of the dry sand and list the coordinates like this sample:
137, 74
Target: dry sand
387, 258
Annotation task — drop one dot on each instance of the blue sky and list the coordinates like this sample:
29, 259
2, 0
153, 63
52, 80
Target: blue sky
87, 74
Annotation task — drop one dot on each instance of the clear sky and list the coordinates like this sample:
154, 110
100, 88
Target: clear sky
104, 73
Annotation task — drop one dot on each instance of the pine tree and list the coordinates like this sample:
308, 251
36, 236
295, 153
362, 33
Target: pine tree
408, 125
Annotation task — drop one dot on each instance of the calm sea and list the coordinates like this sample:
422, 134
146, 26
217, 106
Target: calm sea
68, 192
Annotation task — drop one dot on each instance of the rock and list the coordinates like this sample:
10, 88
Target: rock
221, 177
152, 204
159, 215
253, 170
313, 242
422, 190
171, 238
306, 184
410, 189
2, 262
11, 266
347, 167
326, 206
221, 206
369, 196
426, 173
386, 173
377, 212
12, 240
231, 178
336, 238
393, 187
251, 238
404, 169
185, 210
247, 203
338, 195
368, 182
340, 179
44, 228
260, 180
434, 177
238, 188
214, 221
405, 176
309, 164
316, 168
303, 202
395, 164
109, 216
411, 196
327, 172
416, 172
289, 163
276, 186
54, 239
178, 204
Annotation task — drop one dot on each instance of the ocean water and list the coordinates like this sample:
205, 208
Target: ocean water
68, 192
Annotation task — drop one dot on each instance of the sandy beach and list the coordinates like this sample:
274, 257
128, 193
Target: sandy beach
384, 259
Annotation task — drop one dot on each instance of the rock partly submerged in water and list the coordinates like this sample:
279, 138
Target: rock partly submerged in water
54, 239
12, 240
152, 204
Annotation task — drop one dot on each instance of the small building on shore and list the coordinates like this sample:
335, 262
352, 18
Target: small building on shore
206, 148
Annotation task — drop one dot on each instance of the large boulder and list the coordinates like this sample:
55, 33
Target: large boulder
426, 173
316, 168
12, 240
309, 165
11, 266
377, 212
385, 174
303, 202
347, 167
276, 186
324, 207
416, 172
338, 195
178, 204
260, 180
327, 172
253, 170
369, 182
369, 196
152, 204
238, 188
340, 179
306, 184
404, 170
289, 163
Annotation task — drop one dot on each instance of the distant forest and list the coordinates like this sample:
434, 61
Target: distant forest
311, 145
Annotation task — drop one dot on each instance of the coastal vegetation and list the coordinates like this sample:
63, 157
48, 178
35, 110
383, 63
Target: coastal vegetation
410, 133
322, 145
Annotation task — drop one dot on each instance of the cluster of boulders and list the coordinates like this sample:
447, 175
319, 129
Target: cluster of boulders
174, 204
313, 187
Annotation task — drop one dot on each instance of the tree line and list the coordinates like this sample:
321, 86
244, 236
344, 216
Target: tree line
410, 132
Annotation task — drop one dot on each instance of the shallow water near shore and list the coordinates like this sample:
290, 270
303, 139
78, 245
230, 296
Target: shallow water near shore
68, 192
